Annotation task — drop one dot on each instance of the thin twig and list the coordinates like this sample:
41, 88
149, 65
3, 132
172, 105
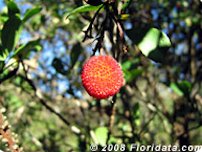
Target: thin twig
146, 124
100, 35
42, 101
89, 29
195, 127
111, 118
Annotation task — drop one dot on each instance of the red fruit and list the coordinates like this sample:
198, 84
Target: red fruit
102, 76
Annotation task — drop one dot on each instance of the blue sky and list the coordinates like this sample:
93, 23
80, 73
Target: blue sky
1, 5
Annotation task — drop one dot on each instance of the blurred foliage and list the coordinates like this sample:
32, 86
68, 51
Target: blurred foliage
41, 55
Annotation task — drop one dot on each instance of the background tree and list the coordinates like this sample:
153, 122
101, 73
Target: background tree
44, 44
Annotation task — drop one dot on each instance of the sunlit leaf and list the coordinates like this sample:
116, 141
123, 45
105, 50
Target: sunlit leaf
4, 55
176, 89
126, 65
3, 18
31, 12
82, 9
101, 135
181, 88
124, 16
153, 39
152, 42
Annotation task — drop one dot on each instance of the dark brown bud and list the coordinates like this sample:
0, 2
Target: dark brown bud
94, 2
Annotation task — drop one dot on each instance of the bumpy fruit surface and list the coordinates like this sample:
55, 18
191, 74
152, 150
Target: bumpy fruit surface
102, 76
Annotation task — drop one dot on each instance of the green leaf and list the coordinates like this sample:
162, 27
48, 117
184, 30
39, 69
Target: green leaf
101, 135
5, 75
153, 39
137, 34
126, 65
3, 18
130, 70
3, 55
82, 9
1, 66
125, 5
185, 87
59, 66
15, 101
12, 8
164, 40
152, 42
25, 49
75, 52
10, 32
30, 13
136, 114
176, 89
124, 16
1, 48
132, 74
136, 72
181, 88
